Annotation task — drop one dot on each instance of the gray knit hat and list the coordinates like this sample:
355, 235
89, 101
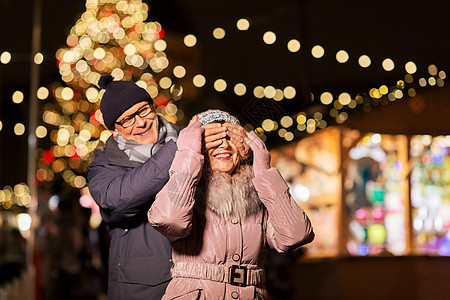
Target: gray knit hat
215, 115
119, 97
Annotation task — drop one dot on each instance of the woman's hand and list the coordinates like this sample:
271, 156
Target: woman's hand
261, 156
191, 136
238, 135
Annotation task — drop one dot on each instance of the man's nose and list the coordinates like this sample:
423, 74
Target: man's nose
139, 120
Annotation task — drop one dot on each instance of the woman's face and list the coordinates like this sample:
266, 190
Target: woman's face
224, 158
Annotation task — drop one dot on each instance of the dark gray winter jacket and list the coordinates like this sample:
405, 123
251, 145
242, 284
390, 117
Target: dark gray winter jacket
139, 256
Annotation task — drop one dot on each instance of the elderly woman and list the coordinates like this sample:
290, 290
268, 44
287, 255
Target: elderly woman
219, 212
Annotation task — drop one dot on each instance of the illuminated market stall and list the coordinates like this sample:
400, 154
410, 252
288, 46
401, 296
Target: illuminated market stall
376, 189
379, 183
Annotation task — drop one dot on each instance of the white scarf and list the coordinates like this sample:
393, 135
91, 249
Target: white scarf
141, 153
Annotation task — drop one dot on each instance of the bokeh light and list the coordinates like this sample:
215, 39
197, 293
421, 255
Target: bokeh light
243, 24
17, 97
190, 40
293, 45
269, 37
5, 57
317, 51
342, 56
364, 61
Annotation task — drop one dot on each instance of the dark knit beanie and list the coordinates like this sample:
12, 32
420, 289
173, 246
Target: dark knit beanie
119, 97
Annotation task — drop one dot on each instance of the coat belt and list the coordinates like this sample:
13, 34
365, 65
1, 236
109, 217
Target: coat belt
215, 272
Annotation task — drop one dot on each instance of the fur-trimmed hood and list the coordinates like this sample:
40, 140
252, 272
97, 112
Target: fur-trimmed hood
229, 195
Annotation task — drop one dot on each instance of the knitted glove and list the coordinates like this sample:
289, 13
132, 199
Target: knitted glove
261, 156
191, 136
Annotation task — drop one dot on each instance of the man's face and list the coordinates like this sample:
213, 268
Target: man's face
144, 129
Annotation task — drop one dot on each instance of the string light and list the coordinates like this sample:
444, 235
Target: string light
79, 129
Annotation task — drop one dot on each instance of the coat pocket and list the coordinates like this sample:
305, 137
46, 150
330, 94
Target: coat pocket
147, 270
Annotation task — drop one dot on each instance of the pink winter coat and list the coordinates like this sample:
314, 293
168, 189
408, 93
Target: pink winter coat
217, 257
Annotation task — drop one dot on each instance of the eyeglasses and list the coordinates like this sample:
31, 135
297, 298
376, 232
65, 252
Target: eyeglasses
131, 119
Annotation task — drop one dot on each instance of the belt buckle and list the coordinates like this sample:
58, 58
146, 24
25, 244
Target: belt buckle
237, 275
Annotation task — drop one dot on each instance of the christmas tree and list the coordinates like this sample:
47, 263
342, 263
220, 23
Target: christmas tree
112, 37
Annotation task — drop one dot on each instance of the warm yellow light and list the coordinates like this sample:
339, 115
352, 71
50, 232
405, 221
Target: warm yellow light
42, 93
17, 97
92, 95
342, 56
117, 74
38, 58
85, 135
179, 71
286, 121
301, 119
220, 85
282, 132
165, 82
41, 132
129, 49
388, 64
219, 33
317, 51
301, 127
199, 80
190, 40
278, 95
269, 37
19, 129
318, 116
293, 45
398, 94
1, 125
160, 45
67, 93
99, 53
79, 182
410, 67
433, 70
326, 98
119, 33
258, 92
5, 57
268, 125
384, 89
375, 93
344, 98
269, 92
289, 92
240, 89
364, 61
243, 24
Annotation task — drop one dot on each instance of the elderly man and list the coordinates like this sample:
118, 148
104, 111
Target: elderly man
125, 176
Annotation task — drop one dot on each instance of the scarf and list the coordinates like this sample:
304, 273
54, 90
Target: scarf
230, 195
141, 153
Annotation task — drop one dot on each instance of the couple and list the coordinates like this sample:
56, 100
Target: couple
197, 206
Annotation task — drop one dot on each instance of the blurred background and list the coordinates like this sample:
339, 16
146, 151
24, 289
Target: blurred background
351, 98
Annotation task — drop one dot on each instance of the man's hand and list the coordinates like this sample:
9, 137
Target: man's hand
238, 135
213, 135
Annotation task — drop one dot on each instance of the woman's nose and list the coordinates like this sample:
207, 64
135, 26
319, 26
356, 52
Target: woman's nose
225, 143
